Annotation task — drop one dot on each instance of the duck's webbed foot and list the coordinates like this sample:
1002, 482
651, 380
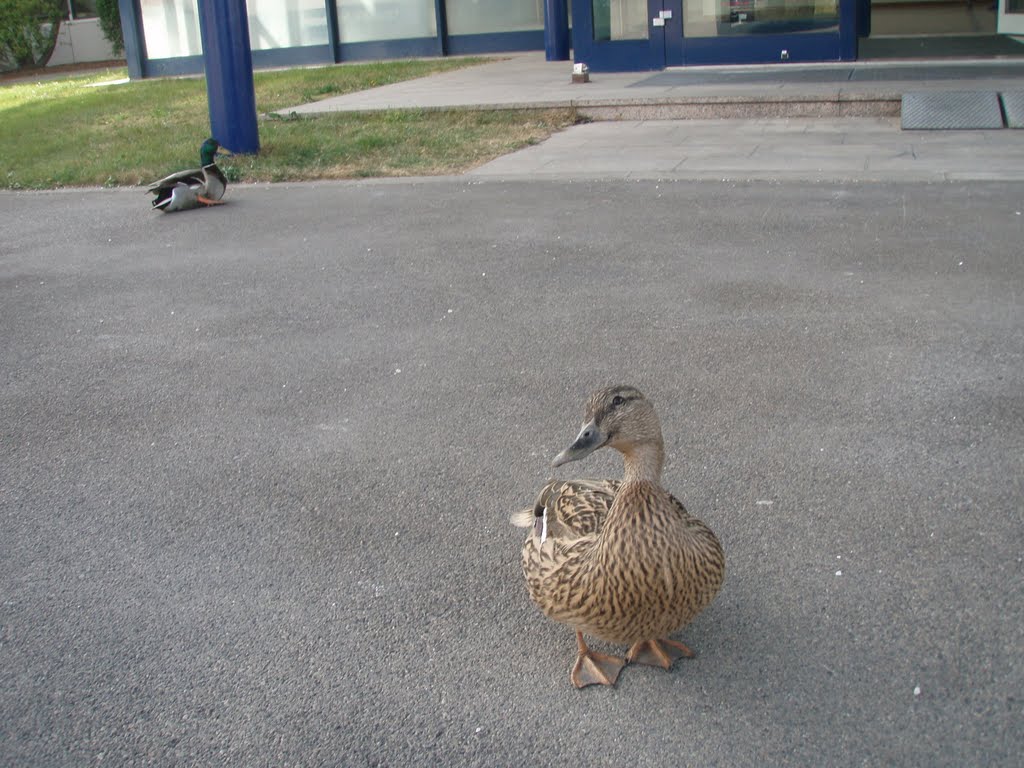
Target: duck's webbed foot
208, 201
593, 668
658, 653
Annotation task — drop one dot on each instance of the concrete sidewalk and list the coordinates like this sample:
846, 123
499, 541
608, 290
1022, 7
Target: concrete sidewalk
821, 122
775, 149
848, 89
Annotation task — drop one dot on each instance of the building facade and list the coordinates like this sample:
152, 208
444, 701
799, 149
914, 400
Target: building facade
167, 41
162, 37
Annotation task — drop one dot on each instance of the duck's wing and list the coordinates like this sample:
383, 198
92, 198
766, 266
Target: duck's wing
192, 178
578, 507
702, 536
566, 510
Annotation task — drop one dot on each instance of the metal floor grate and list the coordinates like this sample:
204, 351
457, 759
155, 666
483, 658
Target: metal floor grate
950, 110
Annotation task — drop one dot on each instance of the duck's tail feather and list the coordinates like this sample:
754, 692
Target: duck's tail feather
522, 519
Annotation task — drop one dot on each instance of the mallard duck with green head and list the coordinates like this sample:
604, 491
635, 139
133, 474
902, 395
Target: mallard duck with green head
621, 560
193, 188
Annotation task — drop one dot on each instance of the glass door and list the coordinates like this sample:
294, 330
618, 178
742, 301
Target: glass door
1011, 17
624, 35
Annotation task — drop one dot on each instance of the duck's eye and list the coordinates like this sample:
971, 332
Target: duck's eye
617, 401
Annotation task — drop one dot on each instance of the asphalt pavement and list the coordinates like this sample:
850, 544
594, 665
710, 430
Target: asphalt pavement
257, 462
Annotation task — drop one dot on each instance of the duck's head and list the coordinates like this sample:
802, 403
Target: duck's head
208, 152
619, 417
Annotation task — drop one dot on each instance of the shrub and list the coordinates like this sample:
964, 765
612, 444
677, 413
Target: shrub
28, 30
110, 23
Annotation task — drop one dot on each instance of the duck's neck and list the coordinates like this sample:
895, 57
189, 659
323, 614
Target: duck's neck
643, 462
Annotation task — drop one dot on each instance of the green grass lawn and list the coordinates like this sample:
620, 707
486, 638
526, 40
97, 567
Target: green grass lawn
61, 132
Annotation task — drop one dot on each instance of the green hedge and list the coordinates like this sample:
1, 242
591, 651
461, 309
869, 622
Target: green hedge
28, 31
110, 23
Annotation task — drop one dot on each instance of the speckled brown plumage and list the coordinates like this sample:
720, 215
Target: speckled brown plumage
620, 560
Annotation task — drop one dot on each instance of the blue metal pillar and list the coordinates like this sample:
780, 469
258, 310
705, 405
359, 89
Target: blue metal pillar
556, 30
441, 19
848, 29
333, 34
227, 58
131, 30
863, 18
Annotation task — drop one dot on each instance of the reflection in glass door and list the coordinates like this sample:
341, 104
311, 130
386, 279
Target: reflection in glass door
748, 31
620, 20
717, 18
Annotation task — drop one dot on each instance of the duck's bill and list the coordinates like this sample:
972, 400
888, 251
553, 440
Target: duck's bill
587, 441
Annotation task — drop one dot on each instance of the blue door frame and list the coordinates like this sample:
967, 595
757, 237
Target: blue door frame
667, 47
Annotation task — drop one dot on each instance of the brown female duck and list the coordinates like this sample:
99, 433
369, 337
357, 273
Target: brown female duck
620, 560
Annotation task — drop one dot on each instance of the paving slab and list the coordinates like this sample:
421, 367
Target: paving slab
813, 149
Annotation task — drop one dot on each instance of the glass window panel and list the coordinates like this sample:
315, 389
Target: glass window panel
362, 20
286, 23
620, 19
171, 28
715, 18
475, 17
1015, 6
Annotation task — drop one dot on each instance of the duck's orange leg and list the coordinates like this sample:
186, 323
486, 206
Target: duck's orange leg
593, 668
658, 653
